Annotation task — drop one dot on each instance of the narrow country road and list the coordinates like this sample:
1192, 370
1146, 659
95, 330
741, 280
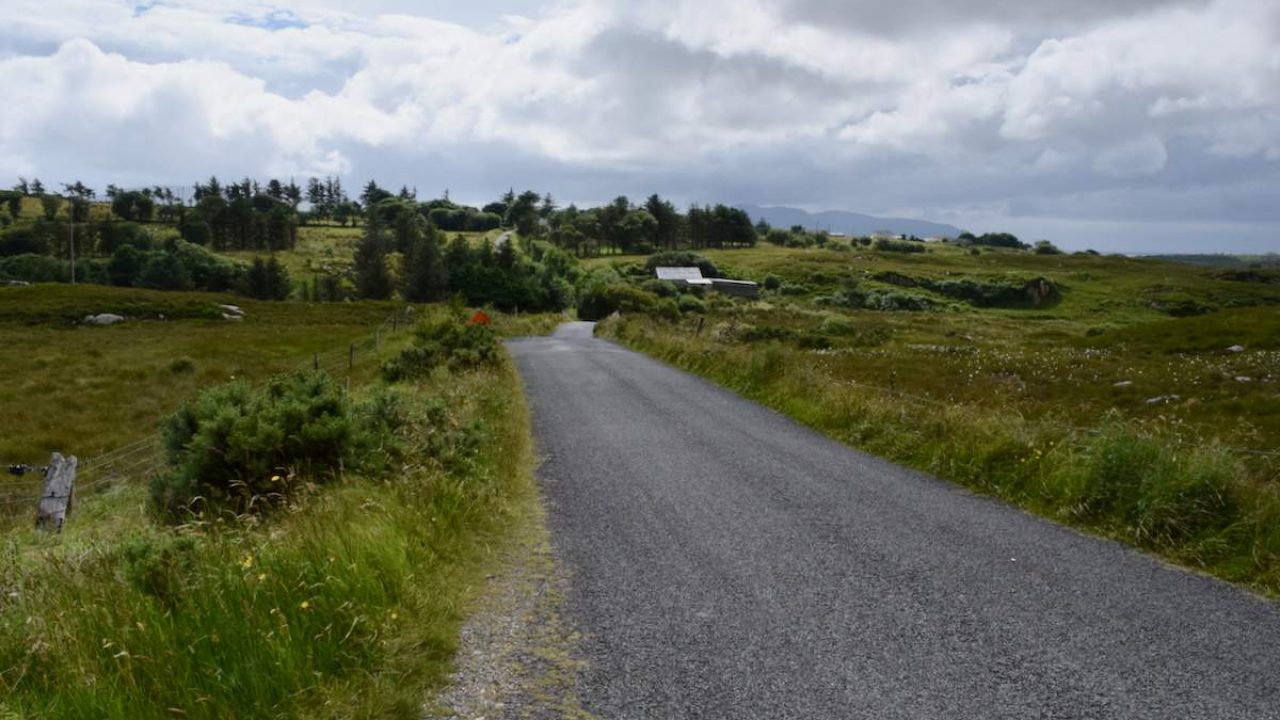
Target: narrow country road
725, 562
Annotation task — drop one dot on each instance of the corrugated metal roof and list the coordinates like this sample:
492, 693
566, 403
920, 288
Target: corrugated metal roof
679, 273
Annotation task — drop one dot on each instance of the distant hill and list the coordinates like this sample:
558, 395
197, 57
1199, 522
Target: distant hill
849, 223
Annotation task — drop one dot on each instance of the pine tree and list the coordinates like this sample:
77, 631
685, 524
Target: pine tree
373, 281
426, 278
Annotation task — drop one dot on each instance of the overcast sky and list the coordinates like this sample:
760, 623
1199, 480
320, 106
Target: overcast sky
1131, 125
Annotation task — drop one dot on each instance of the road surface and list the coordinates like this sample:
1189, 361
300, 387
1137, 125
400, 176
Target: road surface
726, 562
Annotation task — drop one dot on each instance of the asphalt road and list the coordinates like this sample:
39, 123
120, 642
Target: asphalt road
726, 562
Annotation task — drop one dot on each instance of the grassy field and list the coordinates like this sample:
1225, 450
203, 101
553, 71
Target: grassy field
1101, 406
81, 389
345, 604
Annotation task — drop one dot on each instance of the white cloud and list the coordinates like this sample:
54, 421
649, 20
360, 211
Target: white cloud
945, 104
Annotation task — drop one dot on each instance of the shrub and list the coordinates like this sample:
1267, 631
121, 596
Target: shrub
447, 341
239, 450
266, 280
792, 289
772, 282
33, 268
164, 271
896, 301
25, 240
182, 365
661, 288
836, 325
115, 235
601, 301
691, 304
1044, 247
899, 246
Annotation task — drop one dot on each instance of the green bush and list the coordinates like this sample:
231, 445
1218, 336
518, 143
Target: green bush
898, 246
772, 282
601, 301
896, 302
837, 325
691, 304
445, 342
792, 289
241, 450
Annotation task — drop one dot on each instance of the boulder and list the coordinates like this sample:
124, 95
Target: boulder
17, 283
1123, 383
1236, 349
1163, 399
231, 309
103, 319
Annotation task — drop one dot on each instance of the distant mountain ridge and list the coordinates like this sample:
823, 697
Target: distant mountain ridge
849, 223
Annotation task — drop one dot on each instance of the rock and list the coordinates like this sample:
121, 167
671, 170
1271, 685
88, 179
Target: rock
1243, 378
1123, 383
231, 309
229, 316
1236, 349
17, 283
1163, 399
103, 319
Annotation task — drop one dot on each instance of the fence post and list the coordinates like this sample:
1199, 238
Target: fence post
351, 357
58, 493
315, 361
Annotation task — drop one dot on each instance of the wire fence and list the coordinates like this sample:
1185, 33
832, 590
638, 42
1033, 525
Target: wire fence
145, 456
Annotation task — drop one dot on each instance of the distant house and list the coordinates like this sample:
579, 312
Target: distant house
692, 277
688, 276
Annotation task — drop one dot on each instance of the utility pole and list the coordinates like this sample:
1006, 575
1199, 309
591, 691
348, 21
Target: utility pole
72, 212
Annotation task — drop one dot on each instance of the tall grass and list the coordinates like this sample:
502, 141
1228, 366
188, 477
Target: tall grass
1198, 505
347, 606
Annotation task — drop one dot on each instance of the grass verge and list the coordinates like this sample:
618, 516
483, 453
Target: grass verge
1197, 505
346, 605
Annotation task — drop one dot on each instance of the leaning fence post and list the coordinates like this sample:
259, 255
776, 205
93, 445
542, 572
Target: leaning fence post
59, 491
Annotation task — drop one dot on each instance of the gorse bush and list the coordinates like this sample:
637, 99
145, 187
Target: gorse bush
445, 342
240, 449
599, 301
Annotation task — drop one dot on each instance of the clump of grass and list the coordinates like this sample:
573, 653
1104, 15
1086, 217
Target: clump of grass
182, 365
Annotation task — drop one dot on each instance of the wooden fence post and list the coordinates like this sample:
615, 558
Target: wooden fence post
59, 491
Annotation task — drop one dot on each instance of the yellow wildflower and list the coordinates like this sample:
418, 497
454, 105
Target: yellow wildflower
305, 604
247, 562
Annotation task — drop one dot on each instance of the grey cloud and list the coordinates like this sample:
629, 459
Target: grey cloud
905, 16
